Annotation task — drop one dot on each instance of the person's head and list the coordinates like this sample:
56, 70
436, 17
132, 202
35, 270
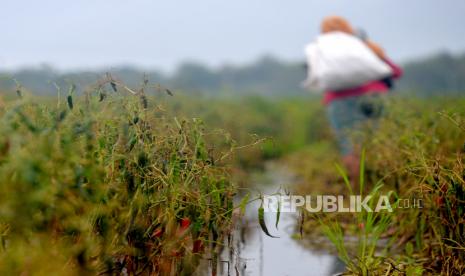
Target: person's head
339, 24
336, 24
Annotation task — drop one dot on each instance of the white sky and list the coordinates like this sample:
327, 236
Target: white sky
162, 34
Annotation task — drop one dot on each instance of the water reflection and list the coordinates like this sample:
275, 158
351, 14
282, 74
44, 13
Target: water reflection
253, 253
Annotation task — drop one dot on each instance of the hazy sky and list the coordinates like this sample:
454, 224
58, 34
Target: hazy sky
161, 34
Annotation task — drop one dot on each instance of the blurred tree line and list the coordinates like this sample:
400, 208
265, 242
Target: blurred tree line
439, 74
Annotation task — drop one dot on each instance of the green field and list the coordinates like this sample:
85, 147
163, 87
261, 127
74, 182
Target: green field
97, 184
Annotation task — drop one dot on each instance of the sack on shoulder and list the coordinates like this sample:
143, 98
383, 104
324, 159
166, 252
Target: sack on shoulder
340, 61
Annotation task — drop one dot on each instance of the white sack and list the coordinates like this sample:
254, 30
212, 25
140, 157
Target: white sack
340, 61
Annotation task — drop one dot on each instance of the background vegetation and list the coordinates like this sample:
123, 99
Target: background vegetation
436, 75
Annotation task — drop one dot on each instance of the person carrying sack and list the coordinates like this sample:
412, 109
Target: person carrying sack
353, 74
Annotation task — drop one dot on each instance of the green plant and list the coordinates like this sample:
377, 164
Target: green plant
370, 227
417, 151
108, 185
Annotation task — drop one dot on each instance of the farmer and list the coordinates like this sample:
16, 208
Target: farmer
352, 107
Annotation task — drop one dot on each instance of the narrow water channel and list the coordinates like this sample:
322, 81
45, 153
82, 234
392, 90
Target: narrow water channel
255, 254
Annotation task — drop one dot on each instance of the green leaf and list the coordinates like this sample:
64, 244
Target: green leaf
278, 214
409, 249
362, 171
261, 221
345, 177
70, 102
244, 202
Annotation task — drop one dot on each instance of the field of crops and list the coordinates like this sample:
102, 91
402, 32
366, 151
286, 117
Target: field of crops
417, 153
144, 184
107, 185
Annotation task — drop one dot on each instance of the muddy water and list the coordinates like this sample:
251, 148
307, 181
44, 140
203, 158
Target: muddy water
253, 253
